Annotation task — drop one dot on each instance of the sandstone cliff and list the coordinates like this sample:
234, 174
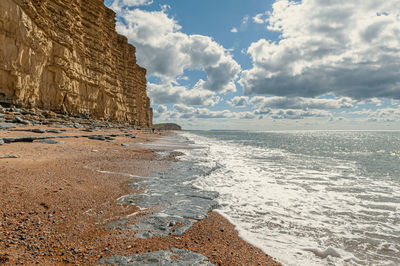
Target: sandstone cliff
65, 55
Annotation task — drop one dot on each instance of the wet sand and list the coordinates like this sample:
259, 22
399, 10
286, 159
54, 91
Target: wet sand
55, 200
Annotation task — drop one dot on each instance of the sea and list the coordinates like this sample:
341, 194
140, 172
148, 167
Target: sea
306, 197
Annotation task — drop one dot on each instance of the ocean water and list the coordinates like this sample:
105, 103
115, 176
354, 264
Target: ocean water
307, 197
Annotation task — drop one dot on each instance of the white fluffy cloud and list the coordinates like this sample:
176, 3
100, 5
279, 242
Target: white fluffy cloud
118, 5
166, 52
379, 115
184, 112
169, 94
348, 48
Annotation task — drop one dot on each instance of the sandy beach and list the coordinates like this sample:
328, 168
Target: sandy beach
55, 200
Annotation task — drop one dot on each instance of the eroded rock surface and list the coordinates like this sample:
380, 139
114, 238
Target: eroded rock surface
65, 56
164, 257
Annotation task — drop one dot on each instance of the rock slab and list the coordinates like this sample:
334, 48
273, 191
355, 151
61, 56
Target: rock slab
174, 256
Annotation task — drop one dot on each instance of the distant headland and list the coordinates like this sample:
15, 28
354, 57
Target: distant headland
167, 126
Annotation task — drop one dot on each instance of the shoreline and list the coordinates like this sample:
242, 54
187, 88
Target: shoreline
56, 199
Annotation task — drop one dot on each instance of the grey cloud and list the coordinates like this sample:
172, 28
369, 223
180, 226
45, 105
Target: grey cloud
239, 101
343, 48
301, 103
297, 115
161, 109
247, 115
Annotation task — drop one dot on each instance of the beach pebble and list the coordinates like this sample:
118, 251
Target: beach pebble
57, 131
6, 126
39, 130
97, 137
9, 156
46, 141
22, 121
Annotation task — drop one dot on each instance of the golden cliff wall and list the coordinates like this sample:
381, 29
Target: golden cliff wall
65, 55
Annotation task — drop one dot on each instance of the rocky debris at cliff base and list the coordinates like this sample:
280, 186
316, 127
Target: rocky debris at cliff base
22, 121
12, 117
46, 139
174, 256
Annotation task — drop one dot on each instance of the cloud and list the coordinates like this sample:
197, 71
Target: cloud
277, 102
299, 114
188, 112
373, 101
239, 101
243, 25
259, 18
169, 94
118, 5
157, 112
347, 48
167, 52
379, 115
387, 115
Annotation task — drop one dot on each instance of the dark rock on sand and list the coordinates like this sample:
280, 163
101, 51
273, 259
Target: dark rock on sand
180, 204
56, 131
174, 256
22, 121
47, 141
97, 137
9, 156
38, 130
6, 126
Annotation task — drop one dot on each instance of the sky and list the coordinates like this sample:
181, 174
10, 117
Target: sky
268, 64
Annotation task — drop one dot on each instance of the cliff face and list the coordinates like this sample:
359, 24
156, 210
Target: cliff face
65, 55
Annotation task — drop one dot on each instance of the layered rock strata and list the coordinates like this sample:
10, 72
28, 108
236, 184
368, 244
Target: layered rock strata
65, 56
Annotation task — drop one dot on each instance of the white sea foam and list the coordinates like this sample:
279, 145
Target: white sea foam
302, 209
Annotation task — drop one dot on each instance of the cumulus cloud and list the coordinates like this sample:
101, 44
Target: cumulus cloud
299, 114
205, 113
234, 30
348, 48
277, 102
239, 101
259, 18
157, 112
166, 52
118, 5
190, 113
379, 115
169, 94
